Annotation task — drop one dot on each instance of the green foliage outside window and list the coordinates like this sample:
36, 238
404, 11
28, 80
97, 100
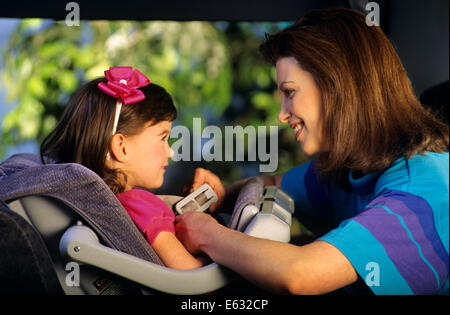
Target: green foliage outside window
212, 70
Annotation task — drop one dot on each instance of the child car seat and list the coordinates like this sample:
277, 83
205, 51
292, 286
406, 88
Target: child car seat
77, 215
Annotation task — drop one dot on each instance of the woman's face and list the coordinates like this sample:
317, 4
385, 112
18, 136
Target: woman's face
301, 104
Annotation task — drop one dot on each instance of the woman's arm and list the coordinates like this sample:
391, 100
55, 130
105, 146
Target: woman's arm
174, 255
315, 268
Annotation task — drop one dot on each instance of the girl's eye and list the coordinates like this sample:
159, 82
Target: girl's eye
164, 138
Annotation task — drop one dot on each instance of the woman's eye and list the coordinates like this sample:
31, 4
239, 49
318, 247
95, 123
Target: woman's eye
164, 138
288, 93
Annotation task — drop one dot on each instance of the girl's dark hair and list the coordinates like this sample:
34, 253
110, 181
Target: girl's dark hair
84, 132
371, 114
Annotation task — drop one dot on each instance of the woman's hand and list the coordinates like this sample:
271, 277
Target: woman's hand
315, 268
202, 176
190, 228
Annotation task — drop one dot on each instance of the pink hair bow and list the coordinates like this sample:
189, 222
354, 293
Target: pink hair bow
123, 83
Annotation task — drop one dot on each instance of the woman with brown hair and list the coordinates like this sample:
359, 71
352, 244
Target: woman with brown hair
377, 193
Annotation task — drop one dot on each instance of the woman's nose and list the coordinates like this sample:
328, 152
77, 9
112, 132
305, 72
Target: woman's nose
284, 114
170, 152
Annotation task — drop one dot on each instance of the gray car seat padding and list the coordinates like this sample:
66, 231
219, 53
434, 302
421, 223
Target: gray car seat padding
24, 175
250, 194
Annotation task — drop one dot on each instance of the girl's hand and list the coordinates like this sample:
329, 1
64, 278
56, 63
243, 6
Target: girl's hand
202, 176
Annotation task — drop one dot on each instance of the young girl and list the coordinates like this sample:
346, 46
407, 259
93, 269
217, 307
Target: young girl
119, 127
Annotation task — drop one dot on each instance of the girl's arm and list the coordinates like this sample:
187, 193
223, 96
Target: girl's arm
174, 255
315, 268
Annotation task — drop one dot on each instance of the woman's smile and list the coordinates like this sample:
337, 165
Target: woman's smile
298, 128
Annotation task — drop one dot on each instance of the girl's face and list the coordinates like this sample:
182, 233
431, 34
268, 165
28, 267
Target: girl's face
301, 104
147, 156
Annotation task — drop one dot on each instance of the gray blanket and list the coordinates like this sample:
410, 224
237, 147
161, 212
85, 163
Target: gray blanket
24, 175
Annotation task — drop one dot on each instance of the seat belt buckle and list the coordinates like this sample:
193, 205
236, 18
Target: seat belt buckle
199, 200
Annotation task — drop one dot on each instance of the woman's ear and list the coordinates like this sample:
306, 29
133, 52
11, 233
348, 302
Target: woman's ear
118, 147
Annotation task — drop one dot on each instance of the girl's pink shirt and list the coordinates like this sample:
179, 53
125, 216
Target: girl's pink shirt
149, 213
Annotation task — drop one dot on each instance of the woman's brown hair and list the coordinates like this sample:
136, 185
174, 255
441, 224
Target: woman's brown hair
371, 114
84, 131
